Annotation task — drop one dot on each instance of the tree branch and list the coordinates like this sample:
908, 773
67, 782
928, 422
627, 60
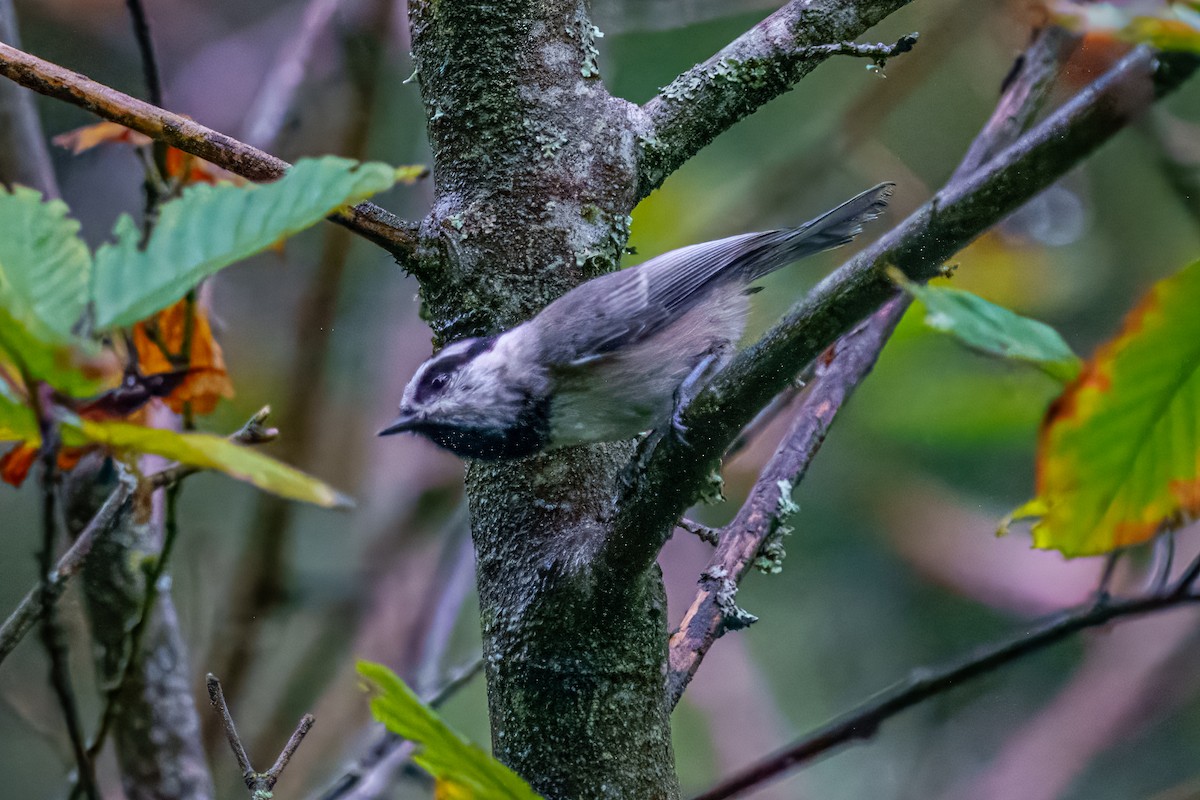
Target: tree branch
863, 722
670, 479
260, 784
763, 517
755, 68
366, 219
21, 620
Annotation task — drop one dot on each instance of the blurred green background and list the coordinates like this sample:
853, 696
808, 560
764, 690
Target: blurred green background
892, 565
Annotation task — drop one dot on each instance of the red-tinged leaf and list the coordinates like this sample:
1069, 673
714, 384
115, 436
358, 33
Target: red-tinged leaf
206, 380
16, 463
1119, 456
188, 169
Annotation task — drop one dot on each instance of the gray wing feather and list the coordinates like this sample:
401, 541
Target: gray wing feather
623, 307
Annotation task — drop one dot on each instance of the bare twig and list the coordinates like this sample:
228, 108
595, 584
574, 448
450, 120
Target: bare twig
366, 219
27, 612
879, 53
252, 433
145, 43
704, 533
260, 784
758, 66
863, 722
52, 635
277, 94
764, 515
918, 246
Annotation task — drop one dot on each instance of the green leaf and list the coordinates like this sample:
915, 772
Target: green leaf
993, 330
210, 227
17, 421
56, 364
44, 266
207, 451
446, 755
1119, 458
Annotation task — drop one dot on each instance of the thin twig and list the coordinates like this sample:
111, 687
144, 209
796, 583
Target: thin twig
27, 612
145, 43
863, 722
217, 698
879, 53
252, 433
704, 533
366, 219
52, 635
260, 784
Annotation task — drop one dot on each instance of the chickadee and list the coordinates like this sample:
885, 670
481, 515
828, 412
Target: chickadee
615, 356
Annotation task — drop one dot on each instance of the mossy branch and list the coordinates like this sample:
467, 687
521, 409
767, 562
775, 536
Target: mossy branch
674, 474
750, 71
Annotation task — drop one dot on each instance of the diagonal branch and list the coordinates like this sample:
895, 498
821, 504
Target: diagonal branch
761, 518
376, 224
863, 722
757, 67
962, 210
764, 515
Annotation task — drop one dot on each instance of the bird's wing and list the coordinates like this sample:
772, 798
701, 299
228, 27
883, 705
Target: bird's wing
623, 308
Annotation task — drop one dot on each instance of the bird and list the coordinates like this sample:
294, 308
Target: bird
618, 355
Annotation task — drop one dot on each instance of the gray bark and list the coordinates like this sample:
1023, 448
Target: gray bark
536, 170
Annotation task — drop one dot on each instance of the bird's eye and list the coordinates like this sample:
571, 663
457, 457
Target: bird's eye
440, 380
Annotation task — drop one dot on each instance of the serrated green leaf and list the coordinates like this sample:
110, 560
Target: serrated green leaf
56, 364
210, 227
209, 452
45, 267
1119, 458
994, 330
451, 759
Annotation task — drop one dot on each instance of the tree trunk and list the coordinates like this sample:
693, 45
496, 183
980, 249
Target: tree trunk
535, 175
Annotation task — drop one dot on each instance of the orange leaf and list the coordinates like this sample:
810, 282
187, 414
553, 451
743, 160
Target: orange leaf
90, 136
207, 381
190, 169
16, 463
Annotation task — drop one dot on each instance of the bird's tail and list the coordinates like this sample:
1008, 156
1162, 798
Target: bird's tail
832, 229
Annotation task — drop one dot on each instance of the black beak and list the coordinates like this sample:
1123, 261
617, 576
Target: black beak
401, 424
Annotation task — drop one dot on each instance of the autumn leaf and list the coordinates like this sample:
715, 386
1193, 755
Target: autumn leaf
181, 166
207, 451
82, 139
1119, 453
206, 381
